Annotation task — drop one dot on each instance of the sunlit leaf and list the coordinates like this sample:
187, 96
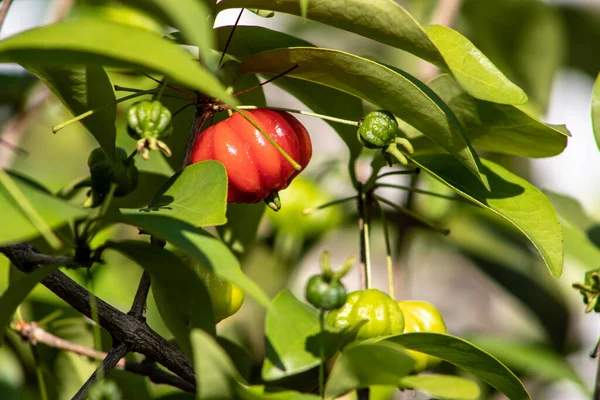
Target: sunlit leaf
473, 69
596, 110
366, 364
442, 386
197, 195
109, 43
510, 197
468, 357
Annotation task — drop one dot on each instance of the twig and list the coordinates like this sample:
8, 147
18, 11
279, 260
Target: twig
33, 333
136, 334
4, 10
139, 301
108, 363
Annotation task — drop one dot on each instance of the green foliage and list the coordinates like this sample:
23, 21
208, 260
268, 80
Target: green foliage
471, 106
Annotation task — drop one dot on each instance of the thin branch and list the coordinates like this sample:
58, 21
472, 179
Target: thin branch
237, 21
122, 327
139, 301
4, 10
32, 332
287, 71
110, 361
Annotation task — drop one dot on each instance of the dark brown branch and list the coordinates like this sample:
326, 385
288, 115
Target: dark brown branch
108, 363
31, 332
139, 302
126, 329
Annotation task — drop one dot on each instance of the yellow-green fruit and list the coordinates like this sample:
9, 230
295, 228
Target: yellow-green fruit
226, 297
420, 316
383, 315
301, 194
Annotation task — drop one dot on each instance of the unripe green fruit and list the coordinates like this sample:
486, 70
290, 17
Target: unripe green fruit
378, 129
325, 294
148, 120
382, 313
226, 298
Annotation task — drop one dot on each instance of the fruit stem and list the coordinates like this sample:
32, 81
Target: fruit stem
415, 190
412, 215
95, 110
160, 89
322, 354
388, 251
311, 210
365, 249
285, 155
307, 113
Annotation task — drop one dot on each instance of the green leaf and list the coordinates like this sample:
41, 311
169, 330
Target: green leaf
442, 386
372, 82
381, 20
261, 392
197, 194
533, 359
293, 339
109, 43
17, 292
242, 226
215, 373
249, 40
473, 70
82, 89
201, 246
511, 197
240, 356
596, 110
16, 222
180, 295
386, 22
262, 13
193, 20
466, 356
494, 127
366, 364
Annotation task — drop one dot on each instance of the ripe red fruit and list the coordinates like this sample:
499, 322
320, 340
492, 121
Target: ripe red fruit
254, 166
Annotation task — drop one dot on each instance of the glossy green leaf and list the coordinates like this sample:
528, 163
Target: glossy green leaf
372, 82
496, 128
193, 20
201, 246
381, 20
82, 89
249, 40
511, 197
442, 386
596, 110
473, 70
262, 13
242, 226
468, 357
17, 292
387, 22
532, 359
180, 295
17, 225
197, 195
366, 364
109, 43
261, 392
240, 356
293, 339
215, 373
